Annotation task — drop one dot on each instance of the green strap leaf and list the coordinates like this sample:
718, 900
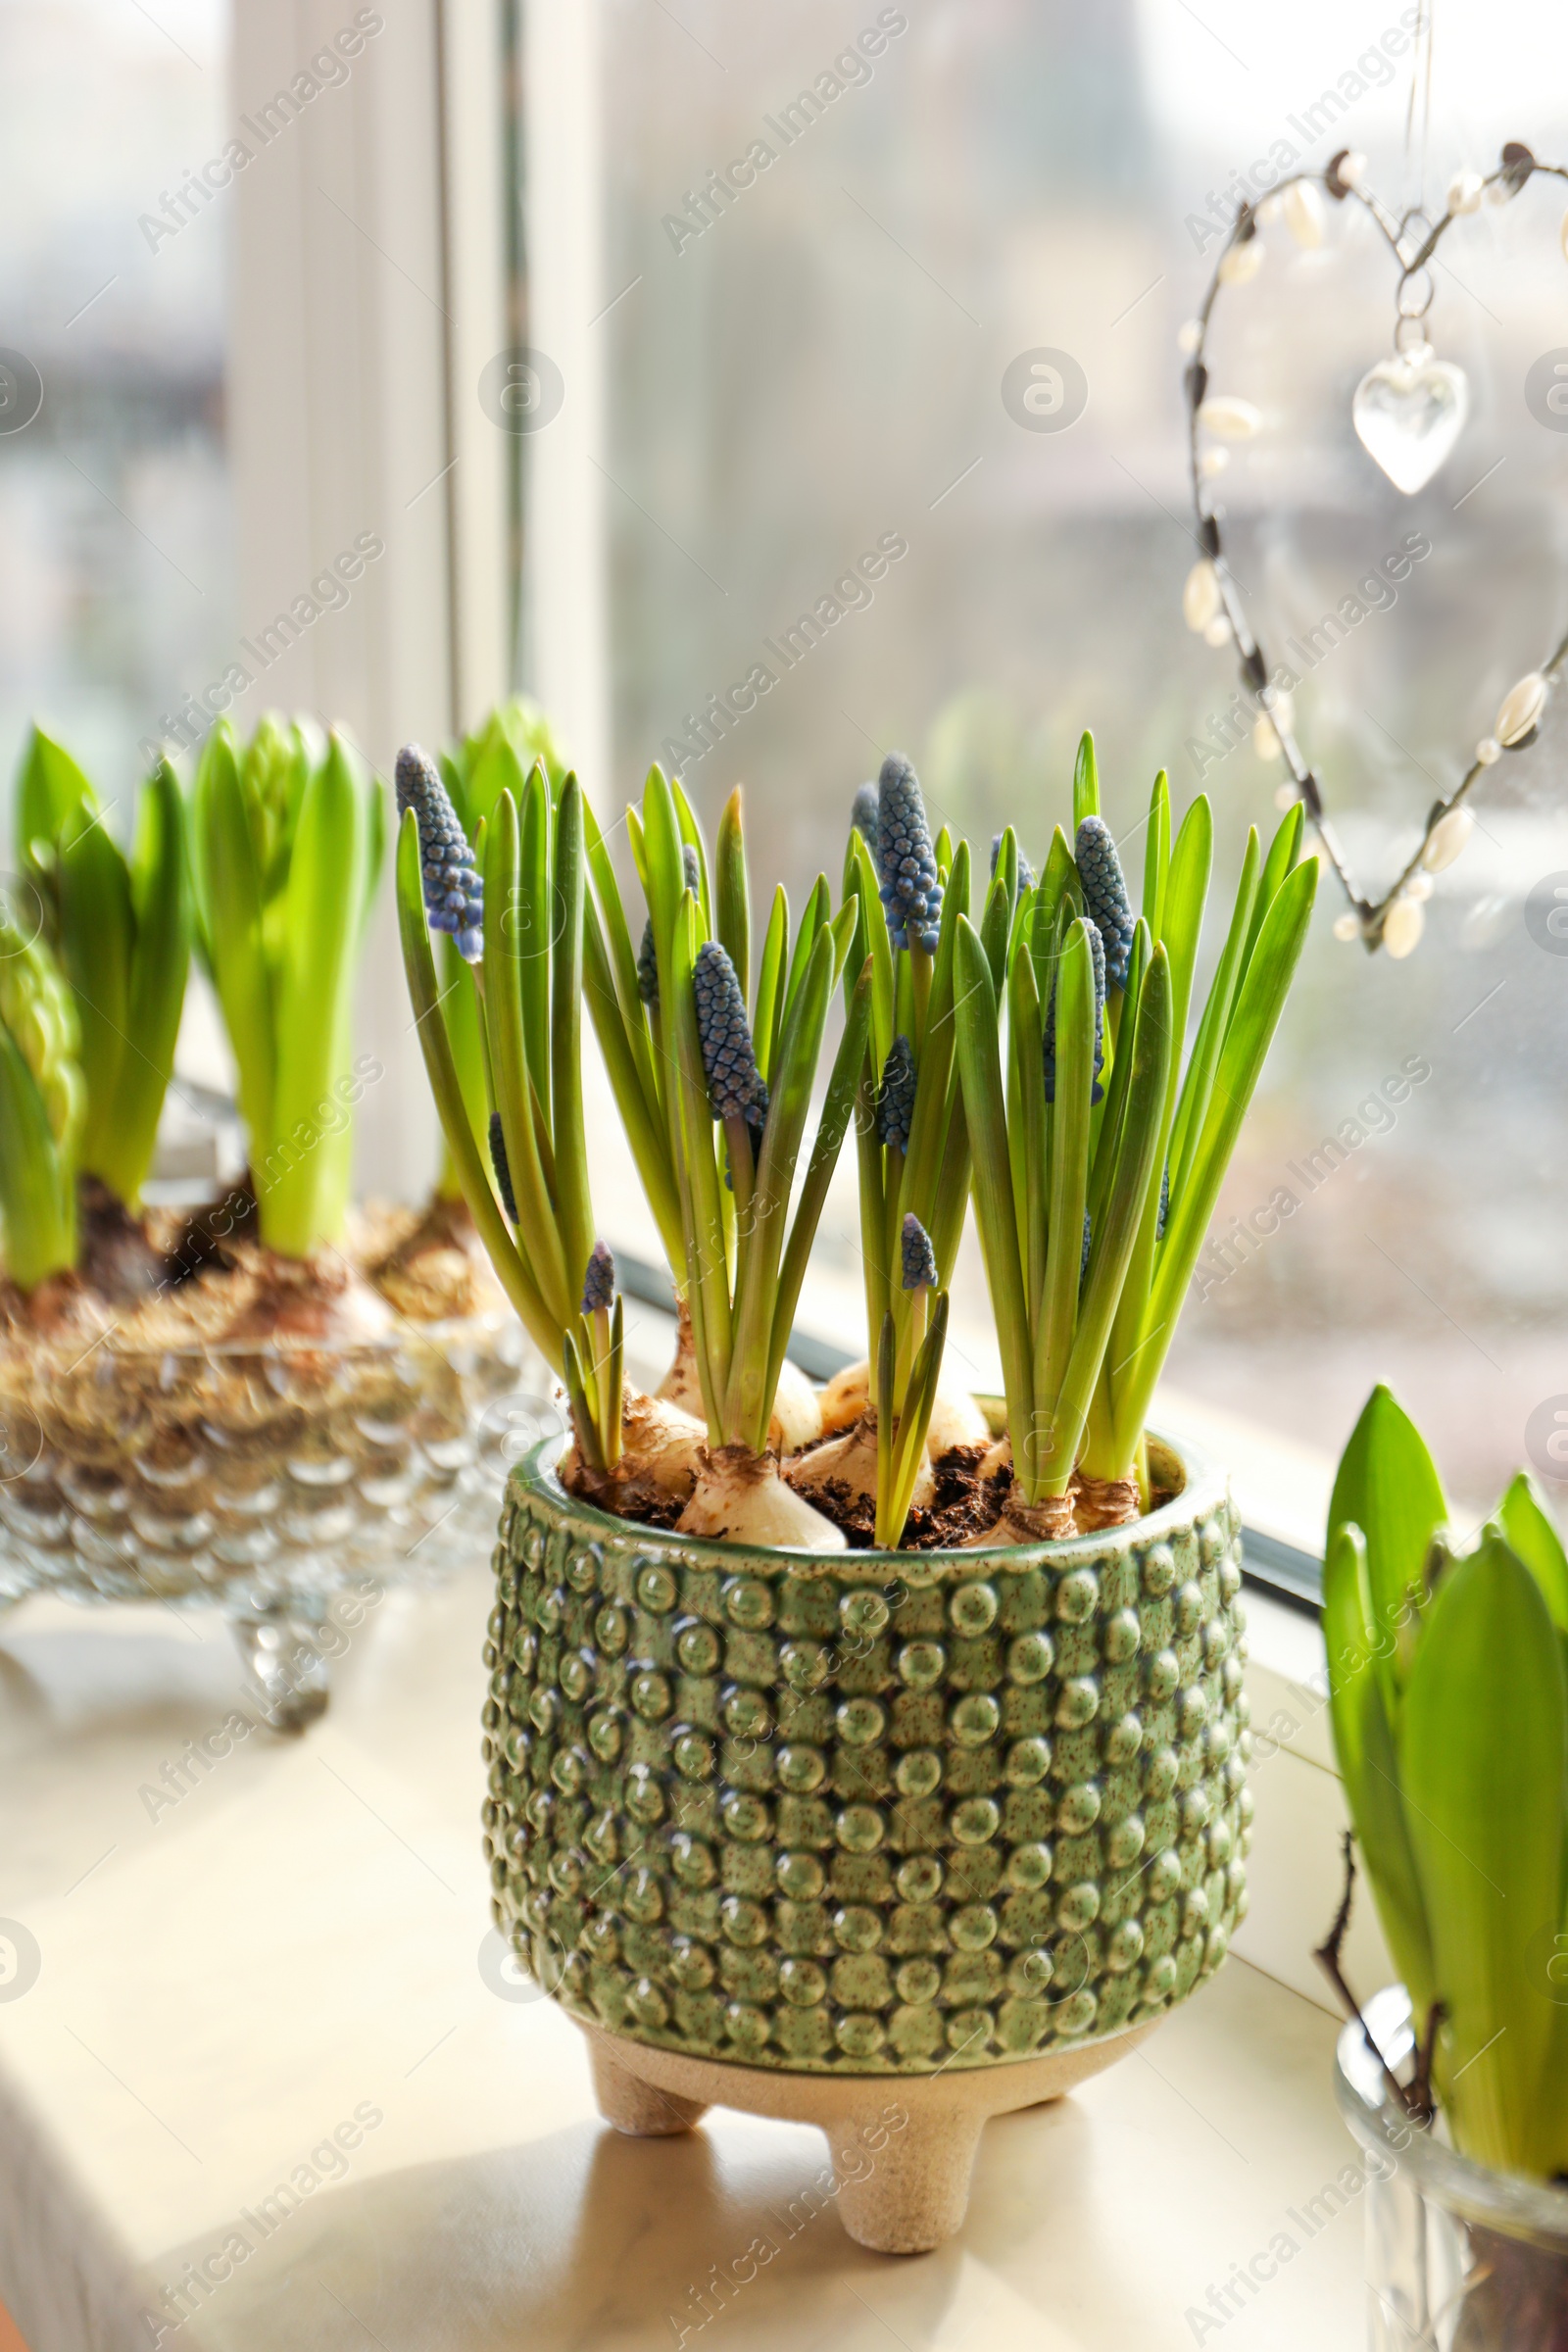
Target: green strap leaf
1387, 1485
424, 995
733, 909
1488, 1815
1085, 782
573, 1193
1364, 1744
980, 1070
1529, 1527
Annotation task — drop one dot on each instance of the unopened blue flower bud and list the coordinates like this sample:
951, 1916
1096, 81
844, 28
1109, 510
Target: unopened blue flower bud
502, 1167
911, 891
865, 819
920, 1258
1105, 901
894, 1100
647, 954
1026, 872
1097, 954
599, 1281
734, 1082
454, 896
1163, 1210
1089, 1242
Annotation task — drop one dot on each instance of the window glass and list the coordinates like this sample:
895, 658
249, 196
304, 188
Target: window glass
115, 590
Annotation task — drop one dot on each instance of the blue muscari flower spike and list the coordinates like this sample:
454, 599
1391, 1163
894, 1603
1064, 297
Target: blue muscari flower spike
453, 895
920, 1258
1105, 900
735, 1084
647, 954
502, 1167
1089, 1242
911, 891
866, 817
1163, 1210
1026, 872
1097, 951
894, 1100
599, 1281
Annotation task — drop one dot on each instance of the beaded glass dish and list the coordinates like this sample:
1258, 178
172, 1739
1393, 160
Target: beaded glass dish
868, 1812
260, 1478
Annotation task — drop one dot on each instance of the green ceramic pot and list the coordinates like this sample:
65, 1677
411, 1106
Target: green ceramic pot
868, 1812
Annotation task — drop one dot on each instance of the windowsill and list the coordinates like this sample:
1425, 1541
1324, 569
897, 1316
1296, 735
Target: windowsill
300, 1934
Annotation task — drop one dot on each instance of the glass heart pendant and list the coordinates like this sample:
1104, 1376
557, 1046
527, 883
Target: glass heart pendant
1409, 412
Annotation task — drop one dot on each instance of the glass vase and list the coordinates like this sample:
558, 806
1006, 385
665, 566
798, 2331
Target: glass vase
1459, 2258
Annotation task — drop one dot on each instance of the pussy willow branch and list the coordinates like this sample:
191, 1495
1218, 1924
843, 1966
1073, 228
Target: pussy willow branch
1254, 663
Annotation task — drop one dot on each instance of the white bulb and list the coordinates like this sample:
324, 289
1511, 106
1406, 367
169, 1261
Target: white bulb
1242, 263
1187, 337
1489, 751
1448, 837
1213, 462
1303, 212
1419, 885
1346, 926
1352, 170
1218, 631
1465, 191
1520, 710
1265, 743
1268, 212
1200, 596
1403, 927
1230, 419
1280, 704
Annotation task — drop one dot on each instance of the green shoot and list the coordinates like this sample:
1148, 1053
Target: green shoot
42, 1110
122, 929
286, 850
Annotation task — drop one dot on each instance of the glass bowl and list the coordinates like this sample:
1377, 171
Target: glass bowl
1459, 2258
262, 1479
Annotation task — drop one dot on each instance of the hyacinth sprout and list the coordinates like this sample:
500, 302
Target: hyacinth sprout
43, 1101
120, 929
1085, 1128
287, 838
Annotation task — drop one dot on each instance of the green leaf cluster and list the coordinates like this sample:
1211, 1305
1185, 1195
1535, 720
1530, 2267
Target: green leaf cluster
287, 839
1082, 1350
1449, 1692
122, 927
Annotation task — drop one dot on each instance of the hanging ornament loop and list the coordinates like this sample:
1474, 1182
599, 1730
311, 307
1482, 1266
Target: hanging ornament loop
1412, 375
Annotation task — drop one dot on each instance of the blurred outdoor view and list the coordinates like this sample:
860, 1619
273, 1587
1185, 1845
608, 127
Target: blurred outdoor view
811, 366
117, 593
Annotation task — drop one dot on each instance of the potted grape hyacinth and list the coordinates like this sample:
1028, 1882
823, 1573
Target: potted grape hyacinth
214, 1400
864, 1736
1449, 1688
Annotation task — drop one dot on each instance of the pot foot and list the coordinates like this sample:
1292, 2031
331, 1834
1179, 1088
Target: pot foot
639, 2109
288, 1669
913, 2194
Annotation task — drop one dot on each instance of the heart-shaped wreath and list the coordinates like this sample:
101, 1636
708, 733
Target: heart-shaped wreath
1409, 412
